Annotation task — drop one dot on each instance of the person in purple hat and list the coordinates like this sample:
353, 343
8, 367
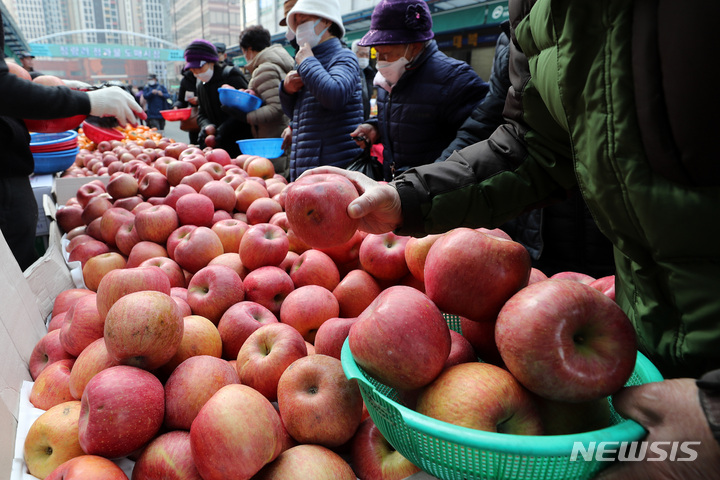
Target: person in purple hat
201, 59
432, 94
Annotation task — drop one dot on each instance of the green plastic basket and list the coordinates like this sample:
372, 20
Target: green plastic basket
450, 452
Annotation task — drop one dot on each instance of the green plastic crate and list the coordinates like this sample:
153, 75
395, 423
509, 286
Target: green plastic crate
450, 452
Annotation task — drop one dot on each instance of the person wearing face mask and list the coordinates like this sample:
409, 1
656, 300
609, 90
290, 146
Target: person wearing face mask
424, 96
201, 59
156, 96
323, 95
268, 64
367, 74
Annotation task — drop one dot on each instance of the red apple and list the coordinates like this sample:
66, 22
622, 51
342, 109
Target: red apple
197, 248
307, 461
373, 457
197, 179
307, 308
536, 275
168, 456
67, 298
480, 396
52, 386
355, 292
69, 218
472, 274
111, 220
177, 192
246, 193
383, 256
47, 350
348, 252
331, 335
314, 267
200, 337
195, 209
401, 339
214, 289
191, 385
126, 237
144, 250
481, 336
90, 190
262, 210
589, 354
87, 466
260, 167
576, 276
230, 232
178, 170
221, 194
83, 252
268, 286
143, 329
317, 403
416, 251
238, 322
265, 355
231, 260
122, 410
213, 168
605, 285
120, 282
122, 185
263, 245
169, 267
82, 326
176, 236
316, 207
461, 350
218, 155
98, 266
156, 223
235, 434
153, 184
93, 359
128, 203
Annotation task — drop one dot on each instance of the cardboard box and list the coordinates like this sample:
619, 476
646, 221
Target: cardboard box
64, 188
26, 301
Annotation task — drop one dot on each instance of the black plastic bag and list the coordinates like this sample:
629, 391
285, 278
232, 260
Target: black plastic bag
367, 164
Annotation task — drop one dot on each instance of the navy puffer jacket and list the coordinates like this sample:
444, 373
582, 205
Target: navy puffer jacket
427, 106
326, 110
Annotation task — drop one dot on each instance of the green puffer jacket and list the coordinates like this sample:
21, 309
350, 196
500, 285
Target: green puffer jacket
605, 97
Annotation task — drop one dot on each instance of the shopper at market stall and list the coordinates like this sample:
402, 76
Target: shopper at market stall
27, 60
25, 99
201, 58
423, 95
187, 97
585, 111
367, 75
268, 64
323, 96
156, 97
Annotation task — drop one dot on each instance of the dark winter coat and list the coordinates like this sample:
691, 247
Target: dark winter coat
425, 109
326, 110
599, 105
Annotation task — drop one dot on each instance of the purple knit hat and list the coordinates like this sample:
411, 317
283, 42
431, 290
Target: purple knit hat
399, 21
200, 52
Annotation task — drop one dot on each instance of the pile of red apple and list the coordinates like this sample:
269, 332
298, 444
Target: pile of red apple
217, 300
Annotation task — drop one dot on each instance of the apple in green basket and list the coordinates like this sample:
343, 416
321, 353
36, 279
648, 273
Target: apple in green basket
307, 308
235, 434
316, 208
87, 467
213, 289
238, 322
168, 456
567, 418
144, 329
589, 354
461, 350
53, 439
307, 461
118, 283
121, 410
401, 339
472, 274
480, 396
373, 456
317, 403
191, 385
265, 355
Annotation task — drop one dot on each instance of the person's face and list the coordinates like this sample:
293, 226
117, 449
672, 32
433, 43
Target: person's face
363, 52
203, 69
27, 62
248, 53
301, 18
390, 53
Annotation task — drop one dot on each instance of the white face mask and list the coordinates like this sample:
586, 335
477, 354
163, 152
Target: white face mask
305, 33
392, 71
206, 75
152, 83
290, 35
364, 63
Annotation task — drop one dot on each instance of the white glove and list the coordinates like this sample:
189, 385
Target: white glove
115, 102
76, 84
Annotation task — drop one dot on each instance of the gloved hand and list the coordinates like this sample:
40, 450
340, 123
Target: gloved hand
115, 102
235, 113
76, 84
204, 132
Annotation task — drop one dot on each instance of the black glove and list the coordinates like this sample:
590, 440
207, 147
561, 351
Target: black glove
235, 113
203, 134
